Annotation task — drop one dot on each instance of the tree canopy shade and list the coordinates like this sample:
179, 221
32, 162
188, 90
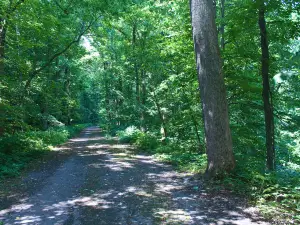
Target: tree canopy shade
129, 67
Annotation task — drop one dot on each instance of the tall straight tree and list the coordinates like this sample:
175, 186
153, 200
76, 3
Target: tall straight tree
212, 88
268, 107
5, 15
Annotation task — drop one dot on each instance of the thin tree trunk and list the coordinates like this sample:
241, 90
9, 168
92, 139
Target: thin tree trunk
212, 89
107, 98
268, 108
136, 69
161, 116
194, 122
3, 29
222, 26
144, 96
120, 103
196, 130
68, 92
137, 75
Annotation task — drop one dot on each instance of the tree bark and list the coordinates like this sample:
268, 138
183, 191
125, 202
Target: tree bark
268, 107
212, 89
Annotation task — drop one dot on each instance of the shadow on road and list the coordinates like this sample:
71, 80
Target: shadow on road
103, 182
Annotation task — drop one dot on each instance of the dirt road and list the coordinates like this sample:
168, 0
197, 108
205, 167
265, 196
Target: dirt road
100, 181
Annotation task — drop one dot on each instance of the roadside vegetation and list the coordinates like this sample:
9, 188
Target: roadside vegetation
277, 194
129, 65
21, 148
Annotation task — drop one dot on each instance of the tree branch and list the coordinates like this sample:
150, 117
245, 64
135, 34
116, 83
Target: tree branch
33, 74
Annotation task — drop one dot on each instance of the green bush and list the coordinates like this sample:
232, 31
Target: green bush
129, 135
21, 142
18, 149
145, 141
184, 155
142, 140
184, 161
277, 194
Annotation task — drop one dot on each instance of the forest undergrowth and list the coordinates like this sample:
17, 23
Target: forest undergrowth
276, 194
21, 148
125, 63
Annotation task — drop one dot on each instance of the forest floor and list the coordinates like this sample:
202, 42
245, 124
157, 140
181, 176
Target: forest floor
95, 180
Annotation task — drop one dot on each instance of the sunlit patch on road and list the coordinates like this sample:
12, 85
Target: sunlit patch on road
105, 182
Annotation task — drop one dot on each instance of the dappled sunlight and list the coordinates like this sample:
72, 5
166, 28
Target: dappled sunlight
86, 139
95, 200
28, 219
98, 146
173, 216
109, 146
103, 181
60, 148
114, 164
166, 176
144, 194
87, 153
117, 166
15, 208
124, 155
167, 188
78, 140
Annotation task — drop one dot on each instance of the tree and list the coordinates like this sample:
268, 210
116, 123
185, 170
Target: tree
212, 88
5, 14
267, 96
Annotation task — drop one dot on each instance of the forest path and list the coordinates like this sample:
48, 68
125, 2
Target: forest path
100, 181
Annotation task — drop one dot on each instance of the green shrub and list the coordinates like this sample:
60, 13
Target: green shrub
184, 155
145, 141
129, 135
184, 161
142, 140
277, 194
18, 149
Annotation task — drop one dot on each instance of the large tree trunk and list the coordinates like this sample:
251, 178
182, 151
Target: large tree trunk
212, 89
268, 108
